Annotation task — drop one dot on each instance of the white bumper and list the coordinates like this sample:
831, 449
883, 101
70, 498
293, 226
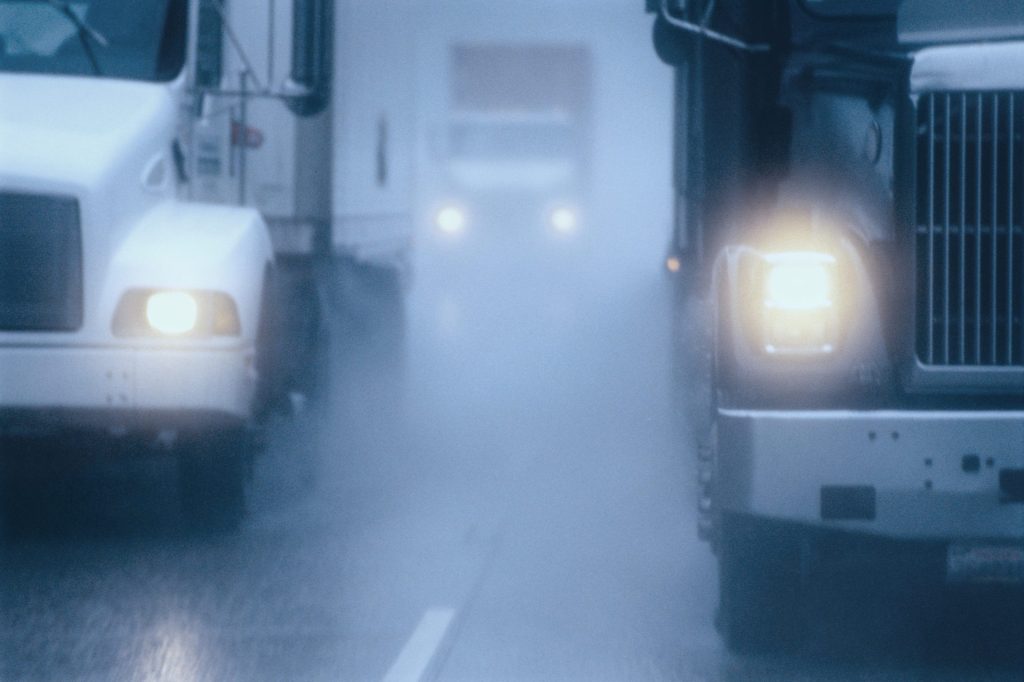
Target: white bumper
115, 387
916, 469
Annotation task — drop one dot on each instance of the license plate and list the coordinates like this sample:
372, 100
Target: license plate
999, 564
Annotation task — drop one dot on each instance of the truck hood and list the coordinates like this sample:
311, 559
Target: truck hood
973, 67
76, 135
104, 142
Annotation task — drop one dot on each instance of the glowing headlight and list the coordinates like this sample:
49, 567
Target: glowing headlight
451, 220
195, 314
172, 312
563, 219
799, 314
802, 280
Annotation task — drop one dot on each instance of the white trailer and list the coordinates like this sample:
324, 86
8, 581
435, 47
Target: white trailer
129, 311
335, 187
374, 119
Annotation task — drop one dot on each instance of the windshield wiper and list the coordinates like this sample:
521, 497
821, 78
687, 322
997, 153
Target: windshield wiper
86, 33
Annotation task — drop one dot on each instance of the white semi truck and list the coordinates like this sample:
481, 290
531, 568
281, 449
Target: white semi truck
131, 314
850, 192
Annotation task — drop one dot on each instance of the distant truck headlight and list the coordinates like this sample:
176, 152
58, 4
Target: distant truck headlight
176, 313
564, 219
451, 220
800, 313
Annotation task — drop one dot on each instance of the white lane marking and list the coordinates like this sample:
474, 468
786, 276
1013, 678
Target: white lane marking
419, 651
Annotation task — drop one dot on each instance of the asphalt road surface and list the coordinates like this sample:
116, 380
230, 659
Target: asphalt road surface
501, 488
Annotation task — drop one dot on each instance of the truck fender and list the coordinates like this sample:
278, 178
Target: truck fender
179, 245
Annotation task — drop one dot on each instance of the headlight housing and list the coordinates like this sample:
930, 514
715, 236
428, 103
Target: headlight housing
800, 311
175, 313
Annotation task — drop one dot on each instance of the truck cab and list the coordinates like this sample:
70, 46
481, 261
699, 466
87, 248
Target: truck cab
852, 205
512, 141
129, 316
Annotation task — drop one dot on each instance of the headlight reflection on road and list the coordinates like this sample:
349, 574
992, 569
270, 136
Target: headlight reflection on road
173, 650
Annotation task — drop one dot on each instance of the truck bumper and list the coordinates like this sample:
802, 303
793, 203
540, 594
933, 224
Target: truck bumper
902, 474
153, 388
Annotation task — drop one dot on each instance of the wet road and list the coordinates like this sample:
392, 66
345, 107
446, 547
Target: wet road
505, 495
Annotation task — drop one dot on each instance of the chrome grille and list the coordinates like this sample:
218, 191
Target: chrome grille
40, 263
970, 229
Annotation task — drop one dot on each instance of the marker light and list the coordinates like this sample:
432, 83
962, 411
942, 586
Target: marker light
673, 264
451, 220
799, 303
564, 219
172, 312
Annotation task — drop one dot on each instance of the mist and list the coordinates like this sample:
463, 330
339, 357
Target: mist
431, 395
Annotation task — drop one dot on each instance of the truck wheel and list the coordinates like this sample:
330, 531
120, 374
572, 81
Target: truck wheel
211, 481
16, 486
311, 374
760, 587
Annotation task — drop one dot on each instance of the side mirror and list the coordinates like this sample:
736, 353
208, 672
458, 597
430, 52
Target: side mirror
308, 88
209, 47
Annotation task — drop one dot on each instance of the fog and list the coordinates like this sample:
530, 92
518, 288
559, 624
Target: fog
489, 469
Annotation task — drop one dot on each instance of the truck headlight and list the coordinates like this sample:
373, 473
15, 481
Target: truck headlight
176, 313
451, 220
172, 312
563, 219
800, 312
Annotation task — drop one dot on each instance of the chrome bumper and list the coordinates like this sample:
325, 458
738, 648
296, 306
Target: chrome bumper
905, 474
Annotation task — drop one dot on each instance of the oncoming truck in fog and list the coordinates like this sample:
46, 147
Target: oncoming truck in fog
513, 141
851, 194
129, 315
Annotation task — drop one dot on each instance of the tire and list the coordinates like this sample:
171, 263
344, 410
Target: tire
28, 468
211, 481
293, 339
310, 376
761, 603
16, 487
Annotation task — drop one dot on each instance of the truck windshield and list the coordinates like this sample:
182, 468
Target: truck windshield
134, 39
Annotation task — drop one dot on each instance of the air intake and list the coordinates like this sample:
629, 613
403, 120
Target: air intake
970, 229
40, 263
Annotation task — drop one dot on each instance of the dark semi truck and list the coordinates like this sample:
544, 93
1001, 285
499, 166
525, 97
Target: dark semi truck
850, 212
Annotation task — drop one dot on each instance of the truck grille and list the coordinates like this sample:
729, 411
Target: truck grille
970, 229
40, 263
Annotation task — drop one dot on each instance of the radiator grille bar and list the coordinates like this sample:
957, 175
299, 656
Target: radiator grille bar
970, 229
